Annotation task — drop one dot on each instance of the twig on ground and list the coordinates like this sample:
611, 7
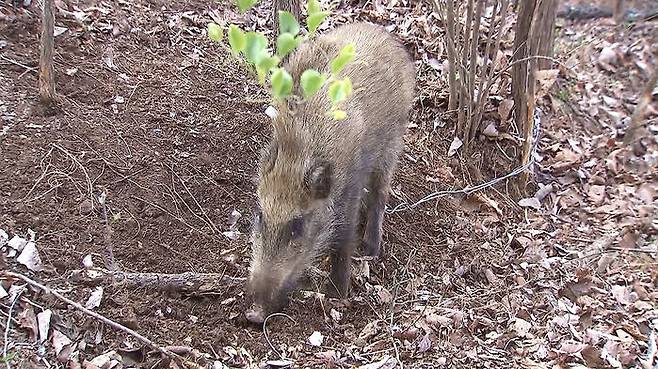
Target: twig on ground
11, 308
115, 325
14, 62
107, 235
90, 187
267, 338
41, 177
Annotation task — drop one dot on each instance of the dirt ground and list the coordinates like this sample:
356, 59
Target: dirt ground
168, 128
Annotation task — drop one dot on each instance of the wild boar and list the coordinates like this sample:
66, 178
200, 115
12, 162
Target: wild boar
312, 175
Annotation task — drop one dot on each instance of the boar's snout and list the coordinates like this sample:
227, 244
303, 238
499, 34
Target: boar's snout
255, 314
270, 294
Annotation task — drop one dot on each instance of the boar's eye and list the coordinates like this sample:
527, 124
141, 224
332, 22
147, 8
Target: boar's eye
296, 227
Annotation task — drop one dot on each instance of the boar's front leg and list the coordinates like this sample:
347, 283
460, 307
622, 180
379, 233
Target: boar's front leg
341, 259
341, 253
376, 204
379, 187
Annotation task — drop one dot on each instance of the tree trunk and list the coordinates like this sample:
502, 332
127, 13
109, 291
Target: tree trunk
292, 6
535, 35
520, 76
46, 73
523, 81
543, 31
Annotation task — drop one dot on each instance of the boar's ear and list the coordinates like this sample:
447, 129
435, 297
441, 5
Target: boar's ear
319, 179
268, 157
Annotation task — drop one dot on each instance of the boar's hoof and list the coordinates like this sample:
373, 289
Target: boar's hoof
255, 314
371, 249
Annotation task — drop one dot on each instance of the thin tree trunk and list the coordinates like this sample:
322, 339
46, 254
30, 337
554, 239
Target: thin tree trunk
463, 73
473, 55
452, 55
46, 73
489, 71
292, 6
618, 10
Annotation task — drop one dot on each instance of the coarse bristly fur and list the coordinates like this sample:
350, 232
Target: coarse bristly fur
312, 174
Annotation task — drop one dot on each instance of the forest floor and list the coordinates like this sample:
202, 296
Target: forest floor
158, 132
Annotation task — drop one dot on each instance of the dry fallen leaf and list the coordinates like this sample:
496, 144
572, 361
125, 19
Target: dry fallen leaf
17, 243
336, 315
425, 343
546, 79
60, 341
27, 320
522, 328
383, 295
4, 237
530, 202
94, 300
454, 146
44, 324
596, 194
316, 339
30, 257
623, 294
504, 109
491, 130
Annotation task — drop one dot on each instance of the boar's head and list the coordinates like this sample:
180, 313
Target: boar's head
293, 223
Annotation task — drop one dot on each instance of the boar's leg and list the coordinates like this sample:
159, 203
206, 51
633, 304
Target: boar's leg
343, 243
341, 259
379, 187
377, 198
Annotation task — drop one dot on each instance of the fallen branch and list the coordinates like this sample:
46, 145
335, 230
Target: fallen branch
115, 325
185, 283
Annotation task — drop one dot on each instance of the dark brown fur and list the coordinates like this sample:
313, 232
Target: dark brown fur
312, 175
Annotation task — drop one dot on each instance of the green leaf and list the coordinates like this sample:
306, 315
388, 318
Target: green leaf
236, 39
314, 20
339, 90
313, 7
281, 83
264, 67
339, 114
285, 43
288, 23
215, 32
345, 55
245, 5
311, 81
255, 49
